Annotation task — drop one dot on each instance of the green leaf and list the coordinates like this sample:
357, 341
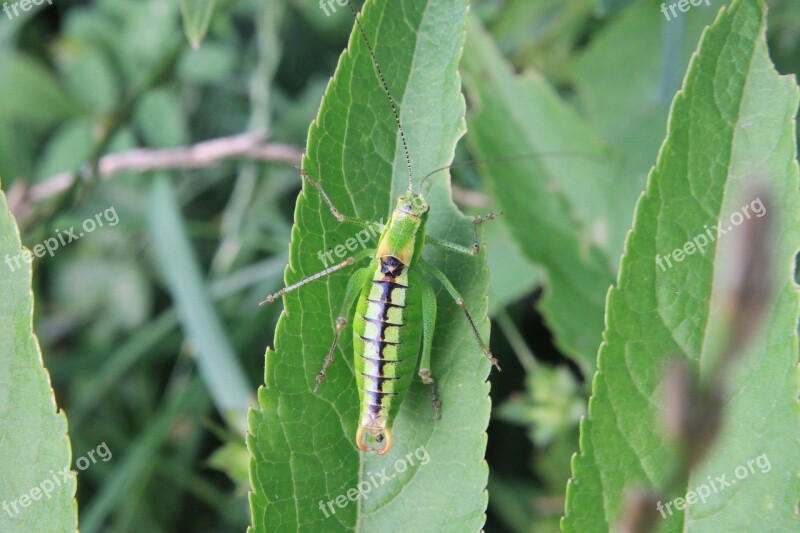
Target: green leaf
733, 122
196, 18
34, 449
550, 202
302, 445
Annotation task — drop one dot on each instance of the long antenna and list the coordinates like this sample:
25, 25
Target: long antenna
531, 155
386, 90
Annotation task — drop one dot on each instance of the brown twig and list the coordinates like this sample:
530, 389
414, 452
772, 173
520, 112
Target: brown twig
200, 155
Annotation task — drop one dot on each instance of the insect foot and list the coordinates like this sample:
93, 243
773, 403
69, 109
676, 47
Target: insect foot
425, 375
484, 348
480, 220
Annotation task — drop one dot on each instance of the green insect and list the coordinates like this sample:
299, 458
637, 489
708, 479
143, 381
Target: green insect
395, 307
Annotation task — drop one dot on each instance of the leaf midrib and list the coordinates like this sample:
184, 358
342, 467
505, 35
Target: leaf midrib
415, 32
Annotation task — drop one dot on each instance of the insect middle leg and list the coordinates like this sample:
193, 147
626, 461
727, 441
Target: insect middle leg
450, 288
354, 286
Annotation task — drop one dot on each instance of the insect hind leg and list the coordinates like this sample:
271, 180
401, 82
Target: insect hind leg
428, 324
425, 374
341, 323
357, 281
450, 288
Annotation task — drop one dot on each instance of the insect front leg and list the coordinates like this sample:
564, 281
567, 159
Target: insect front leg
475, 222
453, 247
450, 288
428, 323
336, 213
354, 286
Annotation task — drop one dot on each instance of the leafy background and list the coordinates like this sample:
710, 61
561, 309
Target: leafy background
150, 329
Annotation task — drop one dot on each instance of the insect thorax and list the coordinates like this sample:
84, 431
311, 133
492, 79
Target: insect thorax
403, 237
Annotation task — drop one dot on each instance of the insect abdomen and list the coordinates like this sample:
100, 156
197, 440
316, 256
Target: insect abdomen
386, 341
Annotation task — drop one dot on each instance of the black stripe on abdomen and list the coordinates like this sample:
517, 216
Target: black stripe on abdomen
387, 285
383, 309
374, 400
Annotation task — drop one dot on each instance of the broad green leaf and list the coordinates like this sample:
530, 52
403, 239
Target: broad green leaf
731, 125
554, 204
302, 445
37, 486
196, 18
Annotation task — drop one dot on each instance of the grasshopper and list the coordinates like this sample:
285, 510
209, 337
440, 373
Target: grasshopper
390, 305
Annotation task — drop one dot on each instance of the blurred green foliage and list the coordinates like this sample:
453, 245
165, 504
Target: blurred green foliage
80, 80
